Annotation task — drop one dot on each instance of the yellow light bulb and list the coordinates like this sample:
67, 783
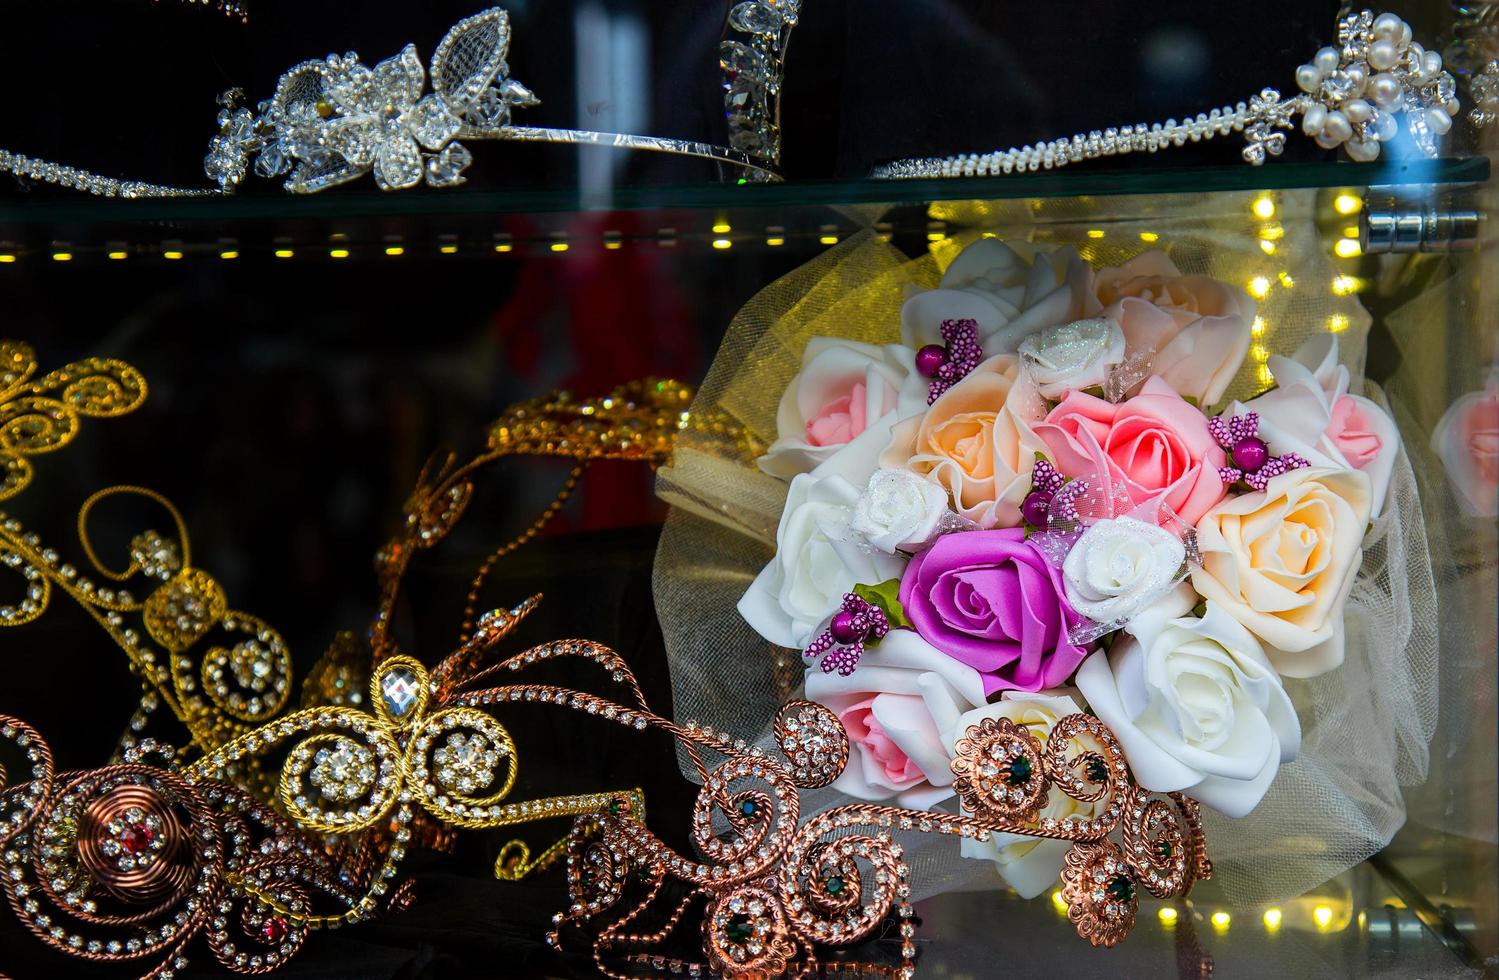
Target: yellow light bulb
559, 246
1167, 915
338, 253
1059, 902
1221, 921
1344, 285
775, 241
394, 250
117, 256
284, 253
228, 254
503, 247
1095, 232
1347, 248
1150, 236
722, 243
1322, 915
1257, 328
1272, 919
829, 239
1285, 279
1259, 287
172, 254
62, 256
7, 257
1264, 207
1337, 323
1346, 203
1268, 247
721, 228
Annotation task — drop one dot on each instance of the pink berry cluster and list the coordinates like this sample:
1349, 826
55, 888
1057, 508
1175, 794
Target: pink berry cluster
948, 365
852, 626
1248, 455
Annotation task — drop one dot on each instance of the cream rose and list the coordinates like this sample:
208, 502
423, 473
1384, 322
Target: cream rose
846, 395
1196, 329
895, 708
1072, 356
1120, 566
976, 443
1195, 705
817, 560
1282, 562
1310, 412
1006, 294
899, 511
1027, 864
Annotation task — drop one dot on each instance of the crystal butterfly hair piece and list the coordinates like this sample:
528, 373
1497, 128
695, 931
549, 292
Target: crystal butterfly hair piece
1352, 96
333, 120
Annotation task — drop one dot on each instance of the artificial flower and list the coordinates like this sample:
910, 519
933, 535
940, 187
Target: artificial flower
899, 511
1072, 356
992, 600
1118, 567
1282, 561
1467, 441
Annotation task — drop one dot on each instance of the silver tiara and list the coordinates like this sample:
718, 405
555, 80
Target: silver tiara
334, 120
1352, 96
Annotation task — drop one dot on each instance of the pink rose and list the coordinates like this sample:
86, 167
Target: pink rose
991, 600
1197, 328
1155, 445
1467, 441
866, 733
839, 420
1350, 430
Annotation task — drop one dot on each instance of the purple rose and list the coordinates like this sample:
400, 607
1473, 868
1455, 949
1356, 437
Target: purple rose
992, 601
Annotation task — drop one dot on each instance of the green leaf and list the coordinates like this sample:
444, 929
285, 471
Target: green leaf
886, 598
1095, 390
1192, 400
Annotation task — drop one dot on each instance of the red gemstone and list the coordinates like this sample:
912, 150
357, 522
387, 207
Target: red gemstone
275, 929
137, 838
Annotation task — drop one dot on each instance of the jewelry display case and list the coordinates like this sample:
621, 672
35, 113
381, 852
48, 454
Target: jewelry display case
305, 352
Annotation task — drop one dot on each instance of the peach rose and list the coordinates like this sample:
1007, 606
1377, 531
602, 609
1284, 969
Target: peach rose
1282, 562
1197, 328
1155, 444
976, 442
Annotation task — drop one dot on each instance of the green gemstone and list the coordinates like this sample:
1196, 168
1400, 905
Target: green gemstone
834, 885
1098, 771
614, 808
1121, 889
1020, 771
1164, 849
738, 930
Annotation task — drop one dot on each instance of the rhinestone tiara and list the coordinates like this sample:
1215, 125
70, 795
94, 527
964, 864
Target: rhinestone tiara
333, 120
1352, 95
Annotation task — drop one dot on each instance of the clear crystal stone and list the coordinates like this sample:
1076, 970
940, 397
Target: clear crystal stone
398, 687
1337, 86
446, 168
489, 110
754, 18
739, 59
432, 124
516, 93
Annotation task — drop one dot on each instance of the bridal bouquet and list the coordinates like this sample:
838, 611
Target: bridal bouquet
1039, 502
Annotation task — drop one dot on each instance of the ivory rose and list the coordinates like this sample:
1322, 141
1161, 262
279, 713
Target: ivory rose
1283, 560
845, 390
1467, 441
1310, 412
1155, 445
1119, 567
1072, 355
1195, 705
895, 708
1028, 864
899, 511
1006, 294
817, 560
976, 442
1196, 328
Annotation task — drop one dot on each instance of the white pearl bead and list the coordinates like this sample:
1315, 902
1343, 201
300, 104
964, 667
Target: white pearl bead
1357, 110
1327, 141
1431, 62
1438, 120
1337, 126
1308, 77
1383, 55
1384, 89
1312, 120
1452, 106
1326, 60
1361, 151
1387, 26
1358, 73
1385, 126
1405, 35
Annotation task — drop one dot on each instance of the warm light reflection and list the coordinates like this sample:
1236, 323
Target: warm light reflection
1272, 919
722, 243
62, 256
1221, 921
1351, 231
722, 228
119, 255
1273, 231
775, 240
503, 247
284, 253
1257, 328
448, 249
1346, 203
1264, 207
338, 253
1058, 901
1150, 236
1322, 915
170, 253
1259, 287
1260, 353
394, 250
7, 258
1344, 285
829, 239
559, 246
1347, 248
1167, 915
1268, 247
228, 254
1095, 232
1337, 323
1285, 279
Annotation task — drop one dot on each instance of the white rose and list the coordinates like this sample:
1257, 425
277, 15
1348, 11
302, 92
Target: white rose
845, 398
817, 560
1072, 356
1195, 705
1007, 295
899, 511
1120, 566
896, 707
1029, 865
1310, 412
